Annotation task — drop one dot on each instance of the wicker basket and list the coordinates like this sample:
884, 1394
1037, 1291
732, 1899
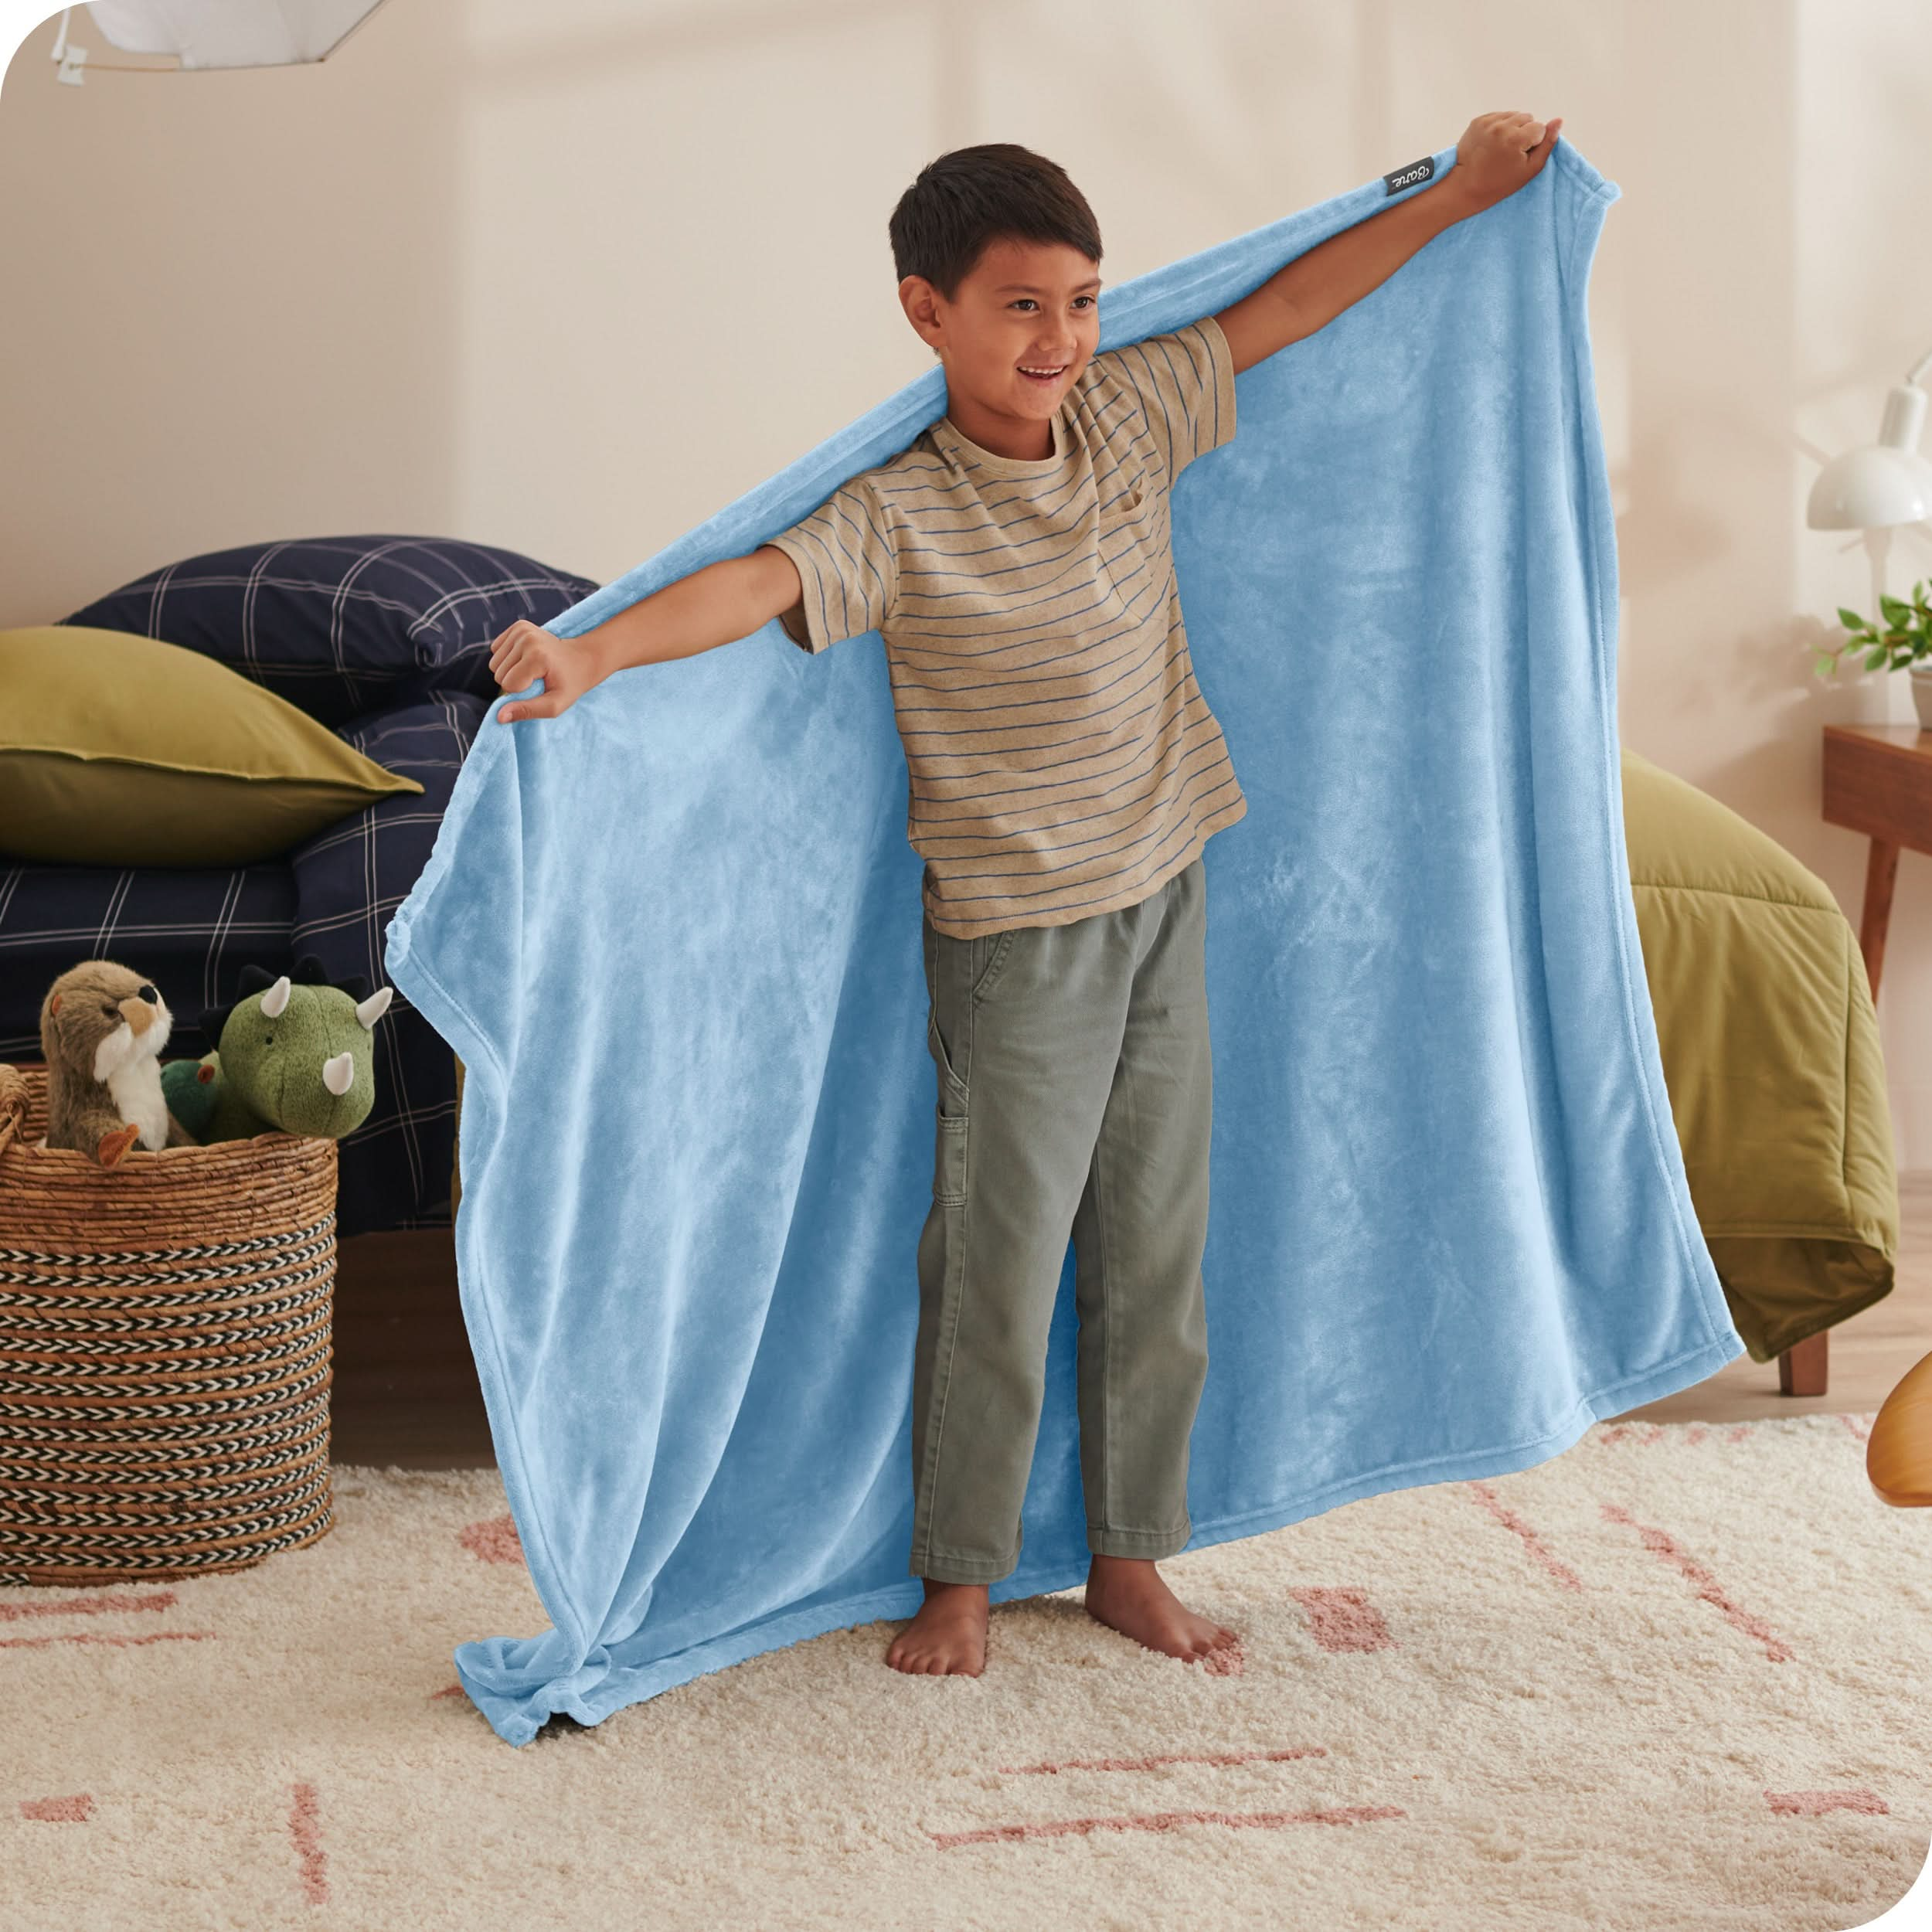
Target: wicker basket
164, 1351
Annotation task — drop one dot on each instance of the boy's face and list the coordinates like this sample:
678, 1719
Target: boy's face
1023, 323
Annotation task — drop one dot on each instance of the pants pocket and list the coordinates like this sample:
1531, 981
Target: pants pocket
953, 1090
951, 1057
1002, 944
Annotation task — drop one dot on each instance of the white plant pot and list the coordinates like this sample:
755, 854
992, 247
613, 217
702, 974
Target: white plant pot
1921, 678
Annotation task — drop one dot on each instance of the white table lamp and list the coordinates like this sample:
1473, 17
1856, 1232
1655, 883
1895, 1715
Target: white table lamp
1882, 483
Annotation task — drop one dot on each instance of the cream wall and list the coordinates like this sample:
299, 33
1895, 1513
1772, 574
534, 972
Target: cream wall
569, 278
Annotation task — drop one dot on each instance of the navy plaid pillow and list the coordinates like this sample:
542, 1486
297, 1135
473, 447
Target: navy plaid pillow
338, 625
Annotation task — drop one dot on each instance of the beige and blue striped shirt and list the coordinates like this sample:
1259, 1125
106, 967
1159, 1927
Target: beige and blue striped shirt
1062, 760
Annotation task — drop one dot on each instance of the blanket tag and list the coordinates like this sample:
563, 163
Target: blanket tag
1417, 171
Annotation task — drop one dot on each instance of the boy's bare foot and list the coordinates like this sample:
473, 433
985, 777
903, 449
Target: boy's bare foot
1128, 1594
947, 1636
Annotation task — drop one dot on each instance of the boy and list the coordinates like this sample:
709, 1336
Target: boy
1065, 774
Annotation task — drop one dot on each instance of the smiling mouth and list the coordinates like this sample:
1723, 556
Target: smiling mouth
1044, 376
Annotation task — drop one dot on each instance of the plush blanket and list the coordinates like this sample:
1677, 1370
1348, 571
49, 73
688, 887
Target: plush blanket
674, 936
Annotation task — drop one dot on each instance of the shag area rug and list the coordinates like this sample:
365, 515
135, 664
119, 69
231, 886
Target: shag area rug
1678, 1677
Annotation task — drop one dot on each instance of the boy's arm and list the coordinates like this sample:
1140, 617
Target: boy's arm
1497, 153
712, 606
722, 602
833, 574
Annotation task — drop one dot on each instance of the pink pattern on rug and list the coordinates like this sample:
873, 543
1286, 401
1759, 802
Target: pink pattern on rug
494, 1540
1615, 1432
1343, 1620
102, 1637
75, 1809
1860, 1426
1490, 1501
1813, 1803
304, 1827
1660, 1543
1165, 1822
1167, 1757
103, 1604
1647, 1433
1225, 1660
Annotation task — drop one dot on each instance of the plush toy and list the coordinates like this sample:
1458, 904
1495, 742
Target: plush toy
296, 1054
102, 1028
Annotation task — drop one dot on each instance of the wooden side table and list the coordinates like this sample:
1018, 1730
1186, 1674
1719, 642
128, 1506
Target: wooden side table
1878, 780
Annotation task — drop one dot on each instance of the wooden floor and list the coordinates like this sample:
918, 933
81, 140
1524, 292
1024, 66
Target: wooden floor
405, 1389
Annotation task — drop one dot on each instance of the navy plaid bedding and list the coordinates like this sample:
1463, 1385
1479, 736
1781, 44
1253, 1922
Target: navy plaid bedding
386, 639
342, 625
192, 931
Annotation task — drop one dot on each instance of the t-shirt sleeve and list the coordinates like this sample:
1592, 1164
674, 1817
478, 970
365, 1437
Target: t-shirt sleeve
847, 564
1184, 382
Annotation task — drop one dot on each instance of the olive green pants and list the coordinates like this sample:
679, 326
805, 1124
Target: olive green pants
1075, 1096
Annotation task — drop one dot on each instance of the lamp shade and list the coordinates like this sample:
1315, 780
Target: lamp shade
1869, 489
1883, 483
230, 33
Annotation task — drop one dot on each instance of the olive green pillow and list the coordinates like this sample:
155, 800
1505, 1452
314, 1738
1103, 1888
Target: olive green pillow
121, 750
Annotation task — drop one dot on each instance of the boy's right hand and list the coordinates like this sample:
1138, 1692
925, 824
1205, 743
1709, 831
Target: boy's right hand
525, 652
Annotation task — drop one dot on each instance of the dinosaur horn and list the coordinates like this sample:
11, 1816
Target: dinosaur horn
369, 1011
339, 1074
276, 998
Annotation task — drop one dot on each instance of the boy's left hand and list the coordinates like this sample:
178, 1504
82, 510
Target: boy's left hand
1498, 152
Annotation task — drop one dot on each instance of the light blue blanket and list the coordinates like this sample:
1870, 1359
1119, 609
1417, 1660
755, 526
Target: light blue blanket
673, 935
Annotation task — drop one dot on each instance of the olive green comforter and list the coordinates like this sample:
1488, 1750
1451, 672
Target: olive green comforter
1771, 1054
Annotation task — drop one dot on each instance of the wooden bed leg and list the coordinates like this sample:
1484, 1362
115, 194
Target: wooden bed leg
1805, 1368
1881, 875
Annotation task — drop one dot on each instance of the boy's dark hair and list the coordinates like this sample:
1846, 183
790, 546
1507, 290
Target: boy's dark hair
974, 196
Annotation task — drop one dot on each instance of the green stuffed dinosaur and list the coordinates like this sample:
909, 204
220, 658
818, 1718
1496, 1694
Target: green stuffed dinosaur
295, 1054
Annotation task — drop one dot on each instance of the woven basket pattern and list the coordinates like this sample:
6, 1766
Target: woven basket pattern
164, 1351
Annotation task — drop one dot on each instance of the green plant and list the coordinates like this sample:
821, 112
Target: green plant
1906, 638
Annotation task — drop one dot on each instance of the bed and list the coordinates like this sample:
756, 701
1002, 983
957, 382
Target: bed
1770, 1044
386, 639
1765, 1022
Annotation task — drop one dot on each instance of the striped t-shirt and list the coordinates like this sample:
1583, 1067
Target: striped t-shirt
1062, 760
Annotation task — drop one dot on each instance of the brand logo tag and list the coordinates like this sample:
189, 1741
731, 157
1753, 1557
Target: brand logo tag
1417, 171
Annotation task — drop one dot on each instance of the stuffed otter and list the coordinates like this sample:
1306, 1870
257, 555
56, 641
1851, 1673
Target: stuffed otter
102, 1028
